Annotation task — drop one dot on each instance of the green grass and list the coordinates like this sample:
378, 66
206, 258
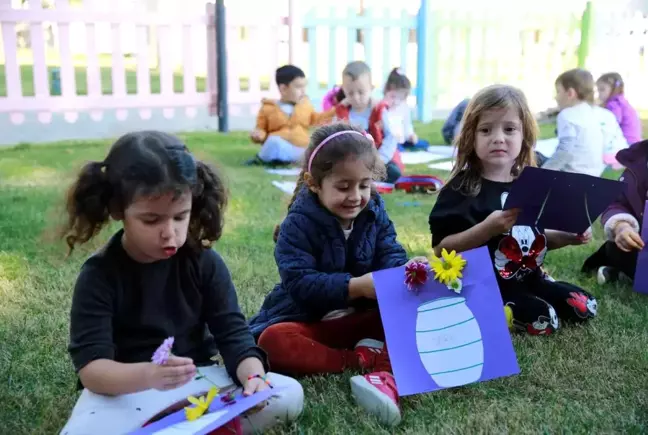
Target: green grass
591, 379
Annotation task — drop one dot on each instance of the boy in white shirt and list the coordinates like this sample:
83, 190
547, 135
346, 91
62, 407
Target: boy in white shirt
580, 136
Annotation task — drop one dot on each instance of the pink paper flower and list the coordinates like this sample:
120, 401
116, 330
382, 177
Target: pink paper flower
162, 353
416, 274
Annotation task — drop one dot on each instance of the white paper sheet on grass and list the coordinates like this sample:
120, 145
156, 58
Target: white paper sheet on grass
547, 147
290, 172
444, 150
418, 157
442, 166
285, 186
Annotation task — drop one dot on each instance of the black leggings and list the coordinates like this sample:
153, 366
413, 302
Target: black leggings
537, 304
610, 255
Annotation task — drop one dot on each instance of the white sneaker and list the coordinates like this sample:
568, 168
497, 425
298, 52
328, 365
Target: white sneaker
376, 393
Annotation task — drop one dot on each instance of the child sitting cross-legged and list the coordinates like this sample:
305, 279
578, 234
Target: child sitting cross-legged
157, 277
283, 125
494, 145
323, 316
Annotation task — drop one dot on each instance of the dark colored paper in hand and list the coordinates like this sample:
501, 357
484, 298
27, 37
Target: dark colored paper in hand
562, 201
641, 272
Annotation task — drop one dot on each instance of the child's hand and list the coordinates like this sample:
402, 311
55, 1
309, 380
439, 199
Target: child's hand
257, 135
413, 138
254, 385
176, 372
501, 221
585, 238
627, 239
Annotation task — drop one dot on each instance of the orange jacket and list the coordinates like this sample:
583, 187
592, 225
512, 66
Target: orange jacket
294, 128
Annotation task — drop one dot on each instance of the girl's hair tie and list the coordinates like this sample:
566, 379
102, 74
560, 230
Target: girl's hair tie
339, 133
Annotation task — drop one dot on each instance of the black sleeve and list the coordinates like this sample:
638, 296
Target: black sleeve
91, 318
223, 315
450, 214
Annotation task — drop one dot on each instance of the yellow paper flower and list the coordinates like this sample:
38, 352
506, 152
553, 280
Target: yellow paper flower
509, 316
202, 404
447, 269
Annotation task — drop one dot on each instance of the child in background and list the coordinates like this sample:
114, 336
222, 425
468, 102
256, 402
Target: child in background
452, 125
323, 316
283, 126
623, 220
610, 88
157, 277
580, 137
493, 147
391, 125
355, 95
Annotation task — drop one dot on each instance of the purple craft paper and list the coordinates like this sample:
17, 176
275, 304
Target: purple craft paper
641, 273
241, 405
400, 317
565, 208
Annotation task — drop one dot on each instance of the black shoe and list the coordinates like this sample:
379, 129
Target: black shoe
607, 274
256, 161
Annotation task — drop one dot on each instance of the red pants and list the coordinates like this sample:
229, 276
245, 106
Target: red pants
321, 347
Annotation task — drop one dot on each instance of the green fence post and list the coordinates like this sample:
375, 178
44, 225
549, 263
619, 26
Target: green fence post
585, 27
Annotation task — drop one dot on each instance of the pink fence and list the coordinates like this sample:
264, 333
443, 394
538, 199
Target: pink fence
136, 84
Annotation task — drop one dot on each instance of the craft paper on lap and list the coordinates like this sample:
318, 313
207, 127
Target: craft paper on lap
219, 414
124, 413
562, 201
439, 339
641, 273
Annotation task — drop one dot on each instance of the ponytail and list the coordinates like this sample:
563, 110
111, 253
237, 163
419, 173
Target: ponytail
87, 205
300, 183
208, 208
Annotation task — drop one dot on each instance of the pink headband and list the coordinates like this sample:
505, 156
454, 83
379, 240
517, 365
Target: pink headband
339, 133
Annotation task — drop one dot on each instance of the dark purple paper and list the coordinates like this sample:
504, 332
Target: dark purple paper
241, 405
567, 192
398, 310
641, 273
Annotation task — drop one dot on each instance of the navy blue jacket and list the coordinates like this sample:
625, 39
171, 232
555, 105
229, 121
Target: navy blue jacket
316, 263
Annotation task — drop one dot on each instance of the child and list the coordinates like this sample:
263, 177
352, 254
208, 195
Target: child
494, 145
156, 277
623, 220
283, 126
452, 125
391, 126
580, 138
610, 89
323, 317
354, 96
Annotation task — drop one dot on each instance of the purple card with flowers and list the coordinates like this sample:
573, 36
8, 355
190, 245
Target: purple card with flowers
219, 410
445, 324
641, 275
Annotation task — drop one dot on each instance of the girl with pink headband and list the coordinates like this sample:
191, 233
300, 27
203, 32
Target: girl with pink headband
323, 316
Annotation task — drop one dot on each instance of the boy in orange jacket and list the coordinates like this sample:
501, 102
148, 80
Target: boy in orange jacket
283, 125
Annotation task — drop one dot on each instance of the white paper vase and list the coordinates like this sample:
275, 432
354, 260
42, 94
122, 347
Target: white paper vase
449, 342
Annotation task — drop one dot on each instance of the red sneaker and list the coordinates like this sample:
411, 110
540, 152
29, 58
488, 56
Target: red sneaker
376, 393
372, 355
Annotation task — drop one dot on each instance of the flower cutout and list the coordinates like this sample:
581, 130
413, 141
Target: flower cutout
202, 404
416, 274
228, 398
162, 353
447, 269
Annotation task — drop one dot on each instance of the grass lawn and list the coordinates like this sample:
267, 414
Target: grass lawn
591, 379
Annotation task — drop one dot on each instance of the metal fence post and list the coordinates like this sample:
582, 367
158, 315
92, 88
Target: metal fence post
221, 64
